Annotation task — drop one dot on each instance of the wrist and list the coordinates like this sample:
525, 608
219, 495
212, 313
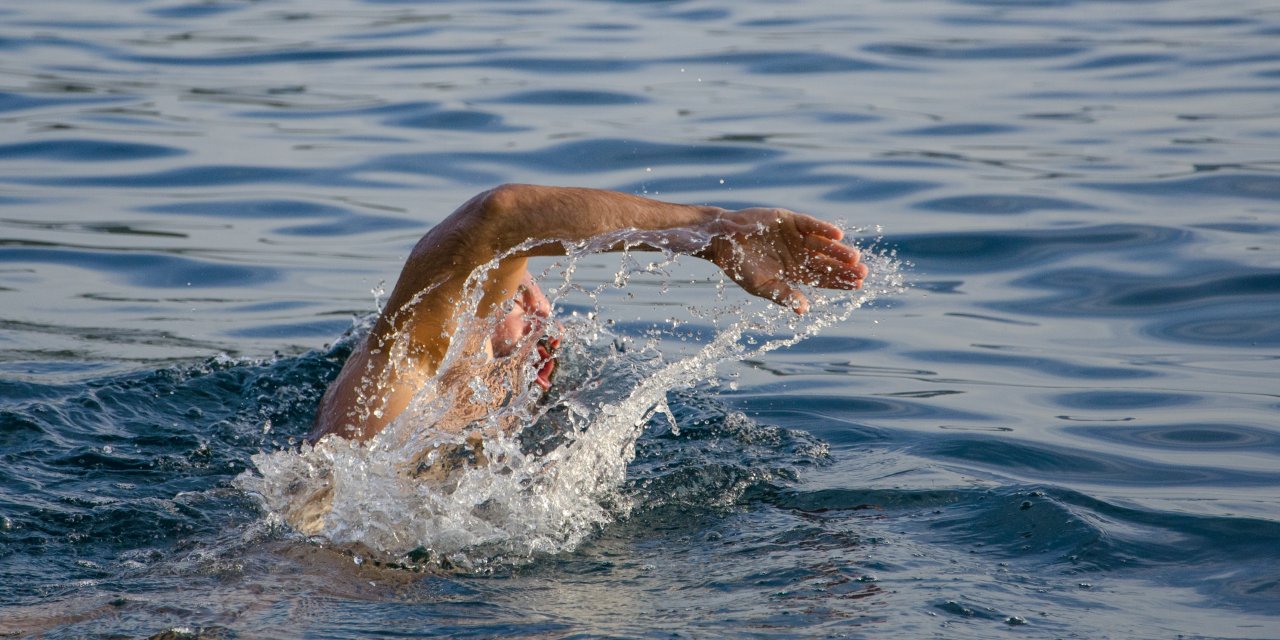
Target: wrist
708, 233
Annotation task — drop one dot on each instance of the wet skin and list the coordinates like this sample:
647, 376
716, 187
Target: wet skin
768, 252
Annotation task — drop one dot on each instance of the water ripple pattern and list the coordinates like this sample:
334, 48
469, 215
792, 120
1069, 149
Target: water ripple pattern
1065, 427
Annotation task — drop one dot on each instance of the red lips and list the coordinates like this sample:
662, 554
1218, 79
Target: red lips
546, 361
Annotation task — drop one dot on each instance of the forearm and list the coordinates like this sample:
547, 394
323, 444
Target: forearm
495, 223
546, 217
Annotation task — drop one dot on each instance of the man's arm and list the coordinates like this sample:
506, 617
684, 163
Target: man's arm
766, 251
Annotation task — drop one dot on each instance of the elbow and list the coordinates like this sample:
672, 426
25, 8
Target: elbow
525, 216
500, 202
490, 219
477, 222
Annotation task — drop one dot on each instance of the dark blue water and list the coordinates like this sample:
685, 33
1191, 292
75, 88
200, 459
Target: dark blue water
1067, 427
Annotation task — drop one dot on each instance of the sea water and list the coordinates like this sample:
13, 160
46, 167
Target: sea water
1065, 426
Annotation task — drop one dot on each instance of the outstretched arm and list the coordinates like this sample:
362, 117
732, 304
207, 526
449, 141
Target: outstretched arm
766, 251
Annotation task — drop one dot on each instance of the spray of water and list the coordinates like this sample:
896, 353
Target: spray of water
538, 472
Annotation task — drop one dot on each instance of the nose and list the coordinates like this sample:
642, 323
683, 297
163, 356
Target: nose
530, 310
534, 302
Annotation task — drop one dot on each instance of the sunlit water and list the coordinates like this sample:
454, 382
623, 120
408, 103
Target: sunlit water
1066, 426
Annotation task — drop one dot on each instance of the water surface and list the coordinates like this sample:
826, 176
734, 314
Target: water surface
1065, 428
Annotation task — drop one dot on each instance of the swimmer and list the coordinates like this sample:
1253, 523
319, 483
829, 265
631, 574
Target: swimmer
510, 346
766, 251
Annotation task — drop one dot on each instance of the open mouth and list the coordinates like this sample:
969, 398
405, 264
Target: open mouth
546, 361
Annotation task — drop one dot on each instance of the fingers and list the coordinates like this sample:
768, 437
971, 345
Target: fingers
832, 248
822, 271
811, 226
832, 265
781, 292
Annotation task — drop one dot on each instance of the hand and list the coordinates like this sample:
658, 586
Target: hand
770, 251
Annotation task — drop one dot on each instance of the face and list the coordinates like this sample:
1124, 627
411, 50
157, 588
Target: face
517, 331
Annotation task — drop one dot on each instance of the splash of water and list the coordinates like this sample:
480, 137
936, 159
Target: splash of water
550, 466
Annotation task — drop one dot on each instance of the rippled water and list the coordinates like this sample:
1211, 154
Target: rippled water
1066, 427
